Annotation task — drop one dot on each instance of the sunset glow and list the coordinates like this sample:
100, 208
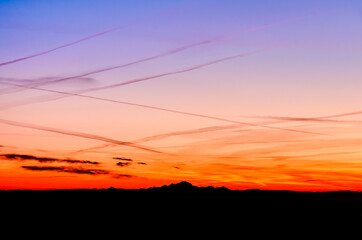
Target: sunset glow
134, 94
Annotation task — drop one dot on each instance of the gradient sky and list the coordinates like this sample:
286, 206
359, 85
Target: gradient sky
298, 89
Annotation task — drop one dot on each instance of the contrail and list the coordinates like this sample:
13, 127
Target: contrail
174, 51
170, 134
37, 82
314, 119
77, 134
171, 110
92, 148
159, 75
343, 114
186, 132
87, 38
184, 70
311, 119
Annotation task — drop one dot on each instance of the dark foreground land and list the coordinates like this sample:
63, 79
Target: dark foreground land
185, 199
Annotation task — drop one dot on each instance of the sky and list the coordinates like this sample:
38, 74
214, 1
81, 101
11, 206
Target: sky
133, 94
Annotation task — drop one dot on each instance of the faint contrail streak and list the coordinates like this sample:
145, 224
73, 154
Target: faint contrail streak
93, 148
311, 119
184, 70
159, 75
33, 82
166, 135
87, 38
343, 114
186, 132
173, 111
174, 51
77, 134
170, 134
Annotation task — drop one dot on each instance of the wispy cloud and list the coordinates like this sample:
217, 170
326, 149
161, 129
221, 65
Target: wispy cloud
77, 170
123, 164
123, 159
120, 175
23, 157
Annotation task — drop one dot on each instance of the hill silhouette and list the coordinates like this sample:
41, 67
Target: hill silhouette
183, 197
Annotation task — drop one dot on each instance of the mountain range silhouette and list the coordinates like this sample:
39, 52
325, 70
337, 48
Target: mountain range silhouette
184, 198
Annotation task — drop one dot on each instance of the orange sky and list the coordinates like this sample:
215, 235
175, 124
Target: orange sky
257, 109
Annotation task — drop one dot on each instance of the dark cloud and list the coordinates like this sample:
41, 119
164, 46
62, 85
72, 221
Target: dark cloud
23, 157
122, 176
126, 162
123, 159
123, 164
75, 170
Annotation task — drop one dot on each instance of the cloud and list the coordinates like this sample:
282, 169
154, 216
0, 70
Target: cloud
117, 175
23, 157
76, 170
123, 164
123, 159
126, 162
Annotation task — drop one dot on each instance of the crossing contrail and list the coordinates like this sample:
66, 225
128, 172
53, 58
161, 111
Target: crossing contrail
86, 38
170, 52
37, 82
186, 132
184, 70
343, 114
189, 69
77, 134
324, 119
172, 111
